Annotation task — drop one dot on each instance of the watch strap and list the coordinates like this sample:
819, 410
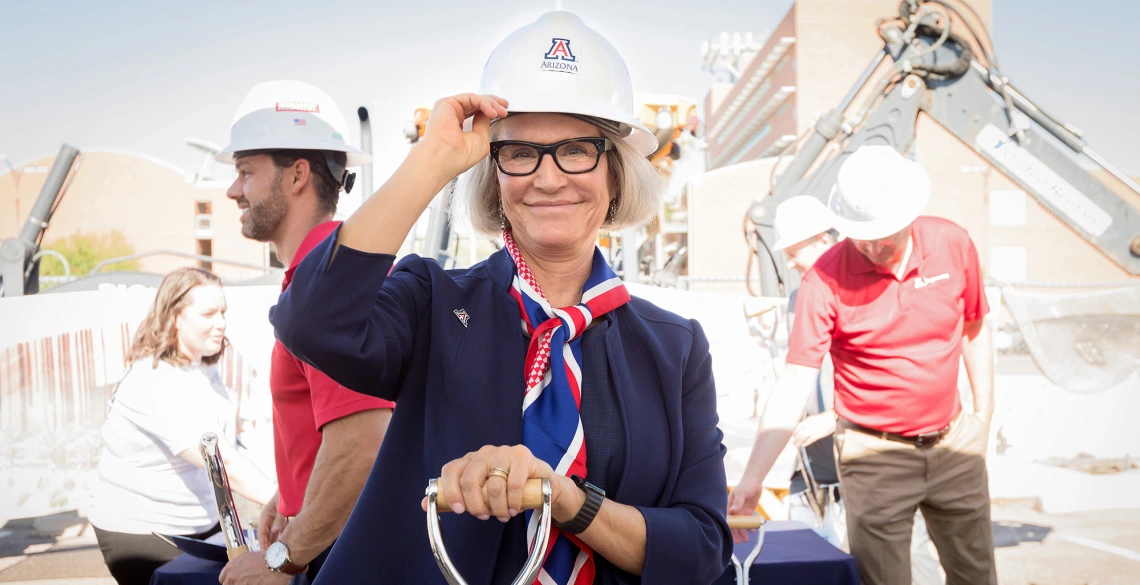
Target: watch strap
292, 569
289, 568
593, 503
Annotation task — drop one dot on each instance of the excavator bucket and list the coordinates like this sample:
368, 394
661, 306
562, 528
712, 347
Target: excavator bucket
1085, 343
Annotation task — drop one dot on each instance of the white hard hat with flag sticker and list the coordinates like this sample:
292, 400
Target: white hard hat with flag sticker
799, 218
289, 115
558, 64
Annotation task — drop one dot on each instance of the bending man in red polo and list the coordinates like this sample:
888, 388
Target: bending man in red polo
896, 305
287, 143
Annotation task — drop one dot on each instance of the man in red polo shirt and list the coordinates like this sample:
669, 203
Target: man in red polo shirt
896, 305
287, 143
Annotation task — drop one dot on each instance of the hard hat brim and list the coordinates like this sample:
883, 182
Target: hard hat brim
267, 128
356, 157
639, 137
800, 218
786, 242
907, 209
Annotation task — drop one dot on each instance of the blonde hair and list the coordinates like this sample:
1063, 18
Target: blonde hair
634, 185
157, 336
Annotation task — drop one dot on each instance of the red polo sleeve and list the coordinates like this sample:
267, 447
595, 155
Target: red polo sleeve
974, 303
332, 401
815, 322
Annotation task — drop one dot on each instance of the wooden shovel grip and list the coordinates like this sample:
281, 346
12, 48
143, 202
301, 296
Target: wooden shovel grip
532, 500
745, 522
532, 496
233, 553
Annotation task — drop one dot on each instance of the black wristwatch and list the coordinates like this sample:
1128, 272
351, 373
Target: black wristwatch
594, 497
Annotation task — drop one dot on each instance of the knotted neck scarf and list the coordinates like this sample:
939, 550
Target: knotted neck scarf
552, 426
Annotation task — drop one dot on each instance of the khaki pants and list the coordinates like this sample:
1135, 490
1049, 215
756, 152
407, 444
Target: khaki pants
884, 482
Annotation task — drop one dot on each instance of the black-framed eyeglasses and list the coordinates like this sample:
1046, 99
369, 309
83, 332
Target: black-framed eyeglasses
574, 156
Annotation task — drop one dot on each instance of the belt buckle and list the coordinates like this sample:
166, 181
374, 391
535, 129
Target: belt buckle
928, 440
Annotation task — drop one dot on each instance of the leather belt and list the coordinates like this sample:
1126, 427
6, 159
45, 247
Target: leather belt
923, 441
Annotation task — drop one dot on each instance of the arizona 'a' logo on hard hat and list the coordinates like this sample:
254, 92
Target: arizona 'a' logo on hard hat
559, 58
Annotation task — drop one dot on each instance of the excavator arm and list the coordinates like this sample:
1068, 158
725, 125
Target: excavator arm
936, 72
19, 256
1082, 342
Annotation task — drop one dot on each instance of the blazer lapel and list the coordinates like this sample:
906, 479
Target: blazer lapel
477, 402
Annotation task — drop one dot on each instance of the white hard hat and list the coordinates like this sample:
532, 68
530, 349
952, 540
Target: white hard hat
289, 115
800, 218
558, 64
878, 193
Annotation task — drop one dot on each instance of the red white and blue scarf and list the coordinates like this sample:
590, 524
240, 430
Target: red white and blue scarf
552, 427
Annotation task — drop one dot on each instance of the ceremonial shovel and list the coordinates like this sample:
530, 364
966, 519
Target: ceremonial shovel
536, 496
227, 513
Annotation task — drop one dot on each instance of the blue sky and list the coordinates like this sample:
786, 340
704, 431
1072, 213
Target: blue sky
142, 75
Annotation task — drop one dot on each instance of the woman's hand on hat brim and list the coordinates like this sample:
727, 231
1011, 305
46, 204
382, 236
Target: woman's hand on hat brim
444, 132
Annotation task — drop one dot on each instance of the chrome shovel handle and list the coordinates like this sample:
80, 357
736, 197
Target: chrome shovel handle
227, 511
742, 569
537, 552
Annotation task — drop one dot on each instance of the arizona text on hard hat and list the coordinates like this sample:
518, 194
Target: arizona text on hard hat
291, 115
799, 218
558, 64
877, 193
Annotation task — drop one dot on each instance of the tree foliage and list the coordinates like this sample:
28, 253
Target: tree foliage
85, 250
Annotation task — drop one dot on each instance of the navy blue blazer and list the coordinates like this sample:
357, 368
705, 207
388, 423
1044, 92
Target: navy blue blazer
460, 387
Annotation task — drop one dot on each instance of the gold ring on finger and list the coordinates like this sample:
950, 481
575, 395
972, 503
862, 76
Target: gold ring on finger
498, 472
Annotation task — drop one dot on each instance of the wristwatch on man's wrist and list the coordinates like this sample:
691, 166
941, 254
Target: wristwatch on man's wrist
594, 497
277, 559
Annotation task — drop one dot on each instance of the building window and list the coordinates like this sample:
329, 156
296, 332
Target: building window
780, 112
760, 134
783, 62
744, 112
203, 220
206, 248
204, 231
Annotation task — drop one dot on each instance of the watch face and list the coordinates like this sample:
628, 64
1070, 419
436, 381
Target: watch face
275, 555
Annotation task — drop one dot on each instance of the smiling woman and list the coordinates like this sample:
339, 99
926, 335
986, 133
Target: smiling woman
631, 184
151, 477
607, 397
557, 196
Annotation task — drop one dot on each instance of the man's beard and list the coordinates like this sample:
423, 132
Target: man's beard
267, 216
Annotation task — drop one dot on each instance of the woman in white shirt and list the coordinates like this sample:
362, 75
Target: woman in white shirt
151, 477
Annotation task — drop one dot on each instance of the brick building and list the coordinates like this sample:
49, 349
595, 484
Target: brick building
154, 204
808, 63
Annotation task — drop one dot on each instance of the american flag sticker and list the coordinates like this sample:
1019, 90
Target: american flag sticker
299, 121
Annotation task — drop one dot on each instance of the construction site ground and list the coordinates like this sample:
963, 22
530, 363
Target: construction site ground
1063, 476
1033, 548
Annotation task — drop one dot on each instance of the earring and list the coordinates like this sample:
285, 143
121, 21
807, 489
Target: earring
502, 217
613, 210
